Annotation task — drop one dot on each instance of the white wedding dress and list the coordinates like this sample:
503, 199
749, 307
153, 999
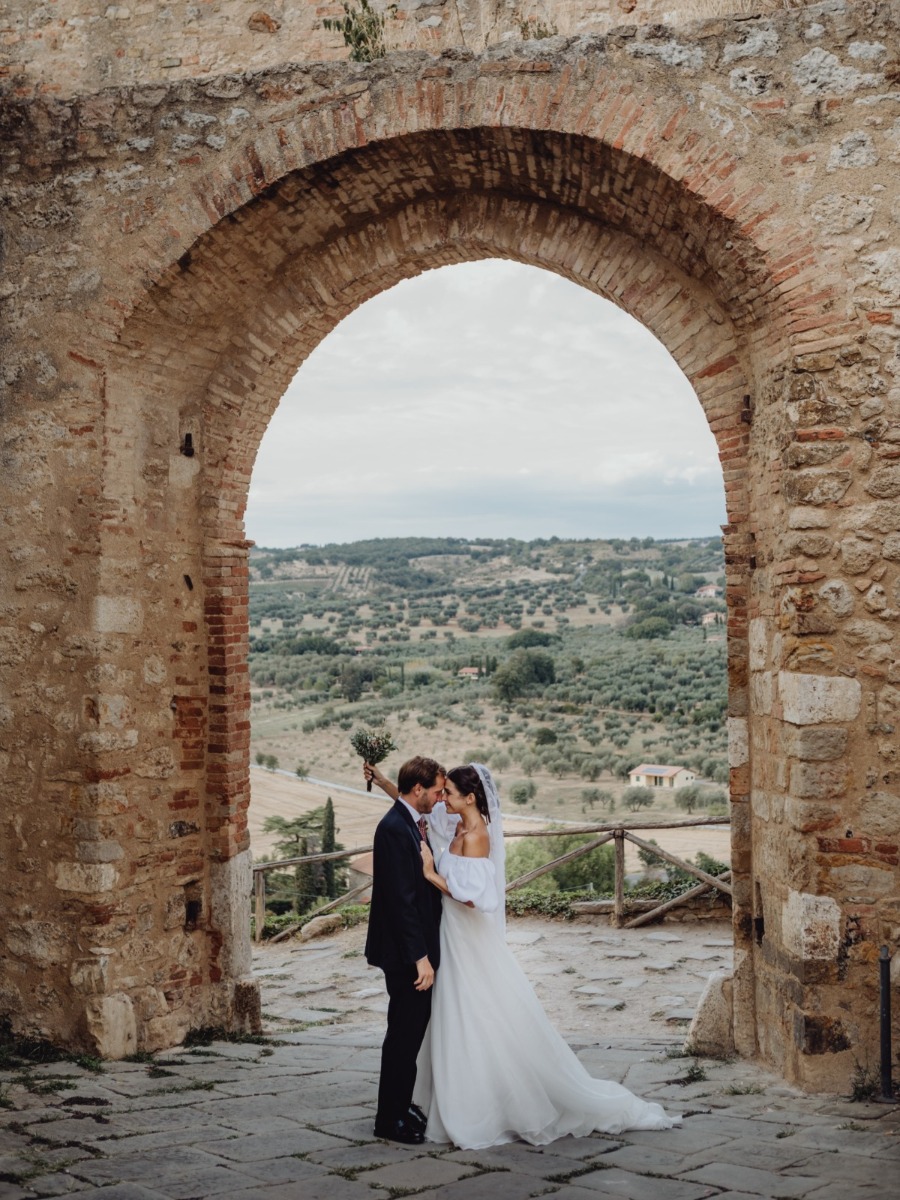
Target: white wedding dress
492, 1068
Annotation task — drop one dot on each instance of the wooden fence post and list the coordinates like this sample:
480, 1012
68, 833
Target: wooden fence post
259, 891
620, 878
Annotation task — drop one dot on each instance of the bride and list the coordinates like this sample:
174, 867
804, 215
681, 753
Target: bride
492, 1068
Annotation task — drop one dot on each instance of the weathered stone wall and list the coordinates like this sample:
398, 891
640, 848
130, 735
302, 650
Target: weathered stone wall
66, 47
174, 251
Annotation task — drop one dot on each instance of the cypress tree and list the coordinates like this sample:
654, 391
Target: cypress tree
329, 844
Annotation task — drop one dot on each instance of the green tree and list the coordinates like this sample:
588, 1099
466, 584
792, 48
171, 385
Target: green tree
650, 627
351, 682
523, 671
271, 762
521, 793
304, 879
296, 838
333, 873
595, 869
689, 797
635, 798
526, 638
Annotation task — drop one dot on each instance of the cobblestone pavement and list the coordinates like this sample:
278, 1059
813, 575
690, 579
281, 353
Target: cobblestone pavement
290, 1117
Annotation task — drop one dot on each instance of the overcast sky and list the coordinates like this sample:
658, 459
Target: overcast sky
486, 400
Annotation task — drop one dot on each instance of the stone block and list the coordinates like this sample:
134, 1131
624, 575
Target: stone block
811, 926
40, 943
118, 614
816, 485
758, 638
857, 556
863, 883
762, 693
230, 885
818, 699
738, 746
813, 781
878, 814
838, 596
712, 1029
321, 926
853, 152
866, 633
884, 483
815, 743
809, 816
808, 518
85, 877
889, 705
112, 1026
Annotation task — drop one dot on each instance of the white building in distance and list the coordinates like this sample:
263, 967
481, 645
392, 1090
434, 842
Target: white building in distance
652, 775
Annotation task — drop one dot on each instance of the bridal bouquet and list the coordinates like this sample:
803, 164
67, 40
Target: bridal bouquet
372, 747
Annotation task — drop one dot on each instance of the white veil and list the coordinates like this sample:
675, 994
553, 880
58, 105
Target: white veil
495, 830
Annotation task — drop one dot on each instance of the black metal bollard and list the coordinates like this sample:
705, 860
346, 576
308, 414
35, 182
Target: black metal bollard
884, 968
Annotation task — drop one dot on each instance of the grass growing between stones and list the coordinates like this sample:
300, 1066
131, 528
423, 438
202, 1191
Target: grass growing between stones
207, 1034
864, 1083
694, 1074
45, 1085
583, 1169
21, 1050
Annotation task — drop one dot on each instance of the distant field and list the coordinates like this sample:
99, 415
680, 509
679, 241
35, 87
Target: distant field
591, 657
357, 816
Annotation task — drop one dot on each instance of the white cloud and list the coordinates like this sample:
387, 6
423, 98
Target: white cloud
488, 399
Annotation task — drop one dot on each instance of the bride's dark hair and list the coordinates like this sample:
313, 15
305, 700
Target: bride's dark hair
468, 780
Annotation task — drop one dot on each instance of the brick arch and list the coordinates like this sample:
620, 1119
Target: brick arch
707, 209
218, 338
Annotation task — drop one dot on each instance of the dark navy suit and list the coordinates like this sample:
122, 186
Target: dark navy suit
404, 926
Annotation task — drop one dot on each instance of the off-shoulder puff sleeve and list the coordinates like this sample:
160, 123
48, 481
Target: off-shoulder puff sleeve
472, 879
443, 826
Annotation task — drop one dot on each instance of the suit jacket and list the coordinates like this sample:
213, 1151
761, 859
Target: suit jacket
405, 912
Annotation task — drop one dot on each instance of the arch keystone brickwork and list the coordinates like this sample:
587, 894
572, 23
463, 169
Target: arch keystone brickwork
177, 247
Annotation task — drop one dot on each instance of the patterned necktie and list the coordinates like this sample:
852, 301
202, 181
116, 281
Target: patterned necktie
423, 829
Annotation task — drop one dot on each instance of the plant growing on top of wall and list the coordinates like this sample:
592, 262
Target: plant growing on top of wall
533, 29
362, 29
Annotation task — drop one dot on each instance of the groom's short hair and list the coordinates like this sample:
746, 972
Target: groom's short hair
419, 770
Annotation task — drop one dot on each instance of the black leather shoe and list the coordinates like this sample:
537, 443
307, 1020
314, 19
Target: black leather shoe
399, 1131
416, 1118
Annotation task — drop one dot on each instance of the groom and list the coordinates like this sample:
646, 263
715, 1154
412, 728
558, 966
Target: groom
404, 941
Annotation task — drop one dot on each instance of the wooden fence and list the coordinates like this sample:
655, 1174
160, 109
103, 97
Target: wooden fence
614, 832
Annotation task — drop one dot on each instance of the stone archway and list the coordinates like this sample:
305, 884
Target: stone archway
196, 302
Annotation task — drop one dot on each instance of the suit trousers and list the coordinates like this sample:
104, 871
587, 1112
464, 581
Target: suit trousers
408, 1015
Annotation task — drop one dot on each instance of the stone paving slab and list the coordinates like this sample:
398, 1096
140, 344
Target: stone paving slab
755, 1180
302, 1127
623, 1185
417, 1173
119, 1191
529, 1160
497, 1185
